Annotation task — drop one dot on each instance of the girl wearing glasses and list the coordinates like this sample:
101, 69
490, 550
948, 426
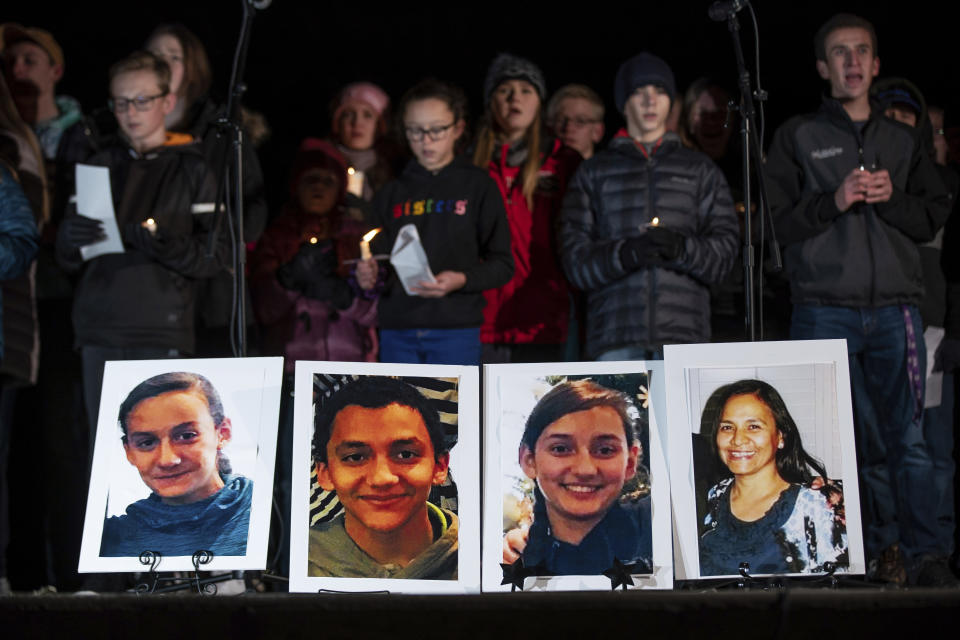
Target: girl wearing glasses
459, 217
526, 319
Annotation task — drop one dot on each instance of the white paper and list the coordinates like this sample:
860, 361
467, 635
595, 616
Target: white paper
933, 336
410, 260
95, 200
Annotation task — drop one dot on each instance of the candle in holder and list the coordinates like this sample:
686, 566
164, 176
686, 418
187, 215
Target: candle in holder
365, 244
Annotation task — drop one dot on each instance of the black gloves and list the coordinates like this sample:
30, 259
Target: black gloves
79, 231
656, 247
313, 272
153, 245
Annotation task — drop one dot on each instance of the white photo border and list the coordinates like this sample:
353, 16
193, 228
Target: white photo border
493, 377
250, 391
464, 464
679, 360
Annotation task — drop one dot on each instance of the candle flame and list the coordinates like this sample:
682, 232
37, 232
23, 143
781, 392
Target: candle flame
313, 239
351, 170
655, 221
151, 221
369, 235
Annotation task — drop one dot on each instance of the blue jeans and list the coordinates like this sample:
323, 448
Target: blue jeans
896, 474
630, 353
938, 432
430, 346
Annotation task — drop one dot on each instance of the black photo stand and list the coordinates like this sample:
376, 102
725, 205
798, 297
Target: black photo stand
157, 583
746, 581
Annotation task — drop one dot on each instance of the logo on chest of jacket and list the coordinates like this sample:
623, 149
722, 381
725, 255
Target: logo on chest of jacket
420, 207
828, 152
682, 180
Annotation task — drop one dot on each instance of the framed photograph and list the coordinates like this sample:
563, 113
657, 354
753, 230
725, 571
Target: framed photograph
763, 459
183, 462
576, 490
386, 478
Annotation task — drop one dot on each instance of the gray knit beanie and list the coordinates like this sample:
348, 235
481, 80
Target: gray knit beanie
508, 67
639, 71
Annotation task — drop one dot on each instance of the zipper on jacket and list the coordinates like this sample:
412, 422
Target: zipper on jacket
651, 271
873, 262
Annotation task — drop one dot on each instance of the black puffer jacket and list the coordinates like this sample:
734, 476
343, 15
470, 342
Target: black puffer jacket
866, 256
613, 196
130, 299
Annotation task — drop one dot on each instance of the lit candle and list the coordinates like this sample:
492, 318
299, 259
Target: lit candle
355, 182
313, 239
365, 244
150, 225
655, 221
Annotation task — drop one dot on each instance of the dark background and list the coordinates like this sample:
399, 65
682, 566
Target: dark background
303, 51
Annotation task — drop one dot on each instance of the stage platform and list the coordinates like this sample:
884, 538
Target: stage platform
787, 613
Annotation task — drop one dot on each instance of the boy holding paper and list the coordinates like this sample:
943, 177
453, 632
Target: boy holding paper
139, 304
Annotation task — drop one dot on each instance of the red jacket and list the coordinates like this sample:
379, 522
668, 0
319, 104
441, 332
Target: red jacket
299, 327
534, 306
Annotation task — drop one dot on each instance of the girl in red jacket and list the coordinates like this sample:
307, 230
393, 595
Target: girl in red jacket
526, 319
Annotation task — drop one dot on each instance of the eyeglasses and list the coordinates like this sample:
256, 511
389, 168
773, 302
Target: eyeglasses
577, 122
140, 103
416, 134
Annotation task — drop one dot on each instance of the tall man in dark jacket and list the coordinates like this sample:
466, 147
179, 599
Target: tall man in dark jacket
646, 225
852, 195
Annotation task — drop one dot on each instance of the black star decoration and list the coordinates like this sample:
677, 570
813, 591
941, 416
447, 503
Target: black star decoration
619, 574
514, 574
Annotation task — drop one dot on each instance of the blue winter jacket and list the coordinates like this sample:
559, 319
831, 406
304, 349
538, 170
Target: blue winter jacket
18, 232
219, 524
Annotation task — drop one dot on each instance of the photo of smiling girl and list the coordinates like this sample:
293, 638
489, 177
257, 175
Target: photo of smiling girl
580, 447
183, 462
174, 432
576, 495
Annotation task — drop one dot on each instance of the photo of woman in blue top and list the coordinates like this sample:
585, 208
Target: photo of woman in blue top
778, 511
174, 431
580, 446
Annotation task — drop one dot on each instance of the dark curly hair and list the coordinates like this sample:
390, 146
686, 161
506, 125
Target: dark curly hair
374, 392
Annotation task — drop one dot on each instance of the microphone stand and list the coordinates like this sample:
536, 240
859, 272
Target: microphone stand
228, 207
750, 145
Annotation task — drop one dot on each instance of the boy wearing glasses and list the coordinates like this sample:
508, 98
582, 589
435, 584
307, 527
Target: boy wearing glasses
575, 113
139, 304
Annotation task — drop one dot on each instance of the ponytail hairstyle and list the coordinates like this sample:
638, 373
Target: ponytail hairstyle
176, 381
